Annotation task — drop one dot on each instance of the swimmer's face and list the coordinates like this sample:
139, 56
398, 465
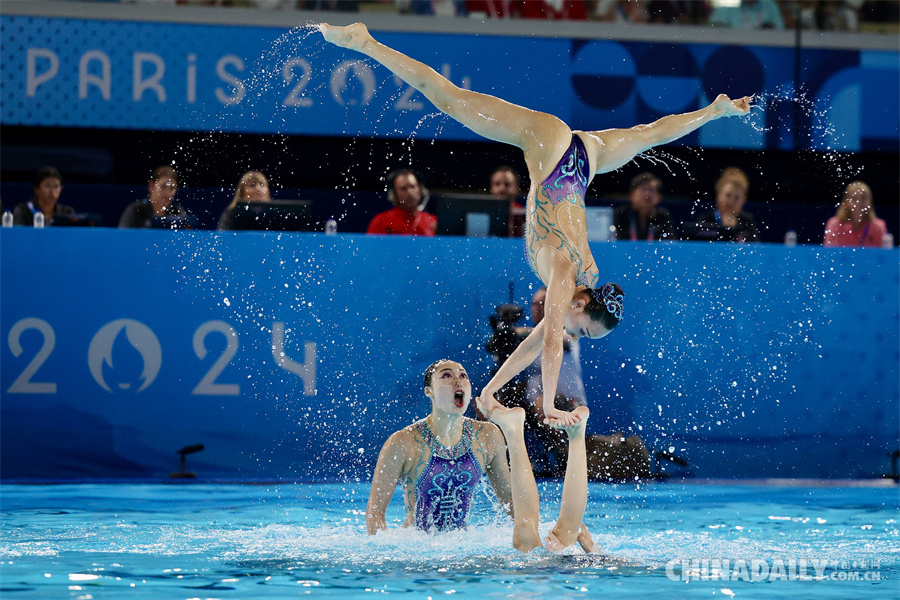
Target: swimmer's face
579, 324
407, 192
450, 389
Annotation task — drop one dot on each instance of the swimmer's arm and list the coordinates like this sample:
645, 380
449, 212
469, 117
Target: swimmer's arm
517, 362
559, 296
498, 468
486, 115
614, 148
387, 474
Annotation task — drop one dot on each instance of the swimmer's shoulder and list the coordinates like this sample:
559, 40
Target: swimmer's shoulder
407, 438
486, 431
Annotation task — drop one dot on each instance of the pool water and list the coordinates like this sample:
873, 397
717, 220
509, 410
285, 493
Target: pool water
674, 540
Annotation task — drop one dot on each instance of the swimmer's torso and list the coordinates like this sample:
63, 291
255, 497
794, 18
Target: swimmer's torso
556, 215
438, 489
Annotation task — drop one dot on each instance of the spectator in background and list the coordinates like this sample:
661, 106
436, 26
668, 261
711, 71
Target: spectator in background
728, 222
338, 5
505, 185
829, 15
47, 188
549, 10
749, 14
619, 11
408, 217
643, 218
440, 8
253, 187
159, 202
855, 223
840, 15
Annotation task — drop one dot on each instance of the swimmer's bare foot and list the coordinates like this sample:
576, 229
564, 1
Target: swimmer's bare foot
509, 420
585, 540
486, 403
560, 419
577, 430
727, 107
352, 36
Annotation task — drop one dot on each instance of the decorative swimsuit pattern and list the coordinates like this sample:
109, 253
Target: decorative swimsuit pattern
567, 183
444, 489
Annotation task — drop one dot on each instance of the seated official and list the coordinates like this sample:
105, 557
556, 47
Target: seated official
505, 186
159, 207
253, 187
728, 222
47, 188
855, 223
643, 218
408, 217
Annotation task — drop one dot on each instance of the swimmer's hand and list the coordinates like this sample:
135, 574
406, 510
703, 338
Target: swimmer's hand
375, 523
486, 403
726, 107
353, 36
585, 540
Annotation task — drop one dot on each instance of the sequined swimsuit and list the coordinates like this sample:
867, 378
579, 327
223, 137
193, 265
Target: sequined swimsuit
444, 489
567, 184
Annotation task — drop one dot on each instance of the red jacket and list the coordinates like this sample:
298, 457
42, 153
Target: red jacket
400, 222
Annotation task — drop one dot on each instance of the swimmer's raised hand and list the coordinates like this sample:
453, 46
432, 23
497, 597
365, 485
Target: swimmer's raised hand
726, 107
486, 403
352, 36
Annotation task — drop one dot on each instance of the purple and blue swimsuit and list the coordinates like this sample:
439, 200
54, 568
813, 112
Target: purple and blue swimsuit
566, 184
445, 487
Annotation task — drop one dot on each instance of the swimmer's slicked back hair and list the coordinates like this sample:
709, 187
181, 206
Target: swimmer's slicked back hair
429, 372
606, 304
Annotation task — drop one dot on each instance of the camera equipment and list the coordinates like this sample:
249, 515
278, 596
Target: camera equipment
505, 339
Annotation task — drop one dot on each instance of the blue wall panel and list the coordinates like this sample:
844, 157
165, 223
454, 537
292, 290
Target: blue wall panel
168, 76
120, 347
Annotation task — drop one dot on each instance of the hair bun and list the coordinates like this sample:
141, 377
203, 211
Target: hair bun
615, 303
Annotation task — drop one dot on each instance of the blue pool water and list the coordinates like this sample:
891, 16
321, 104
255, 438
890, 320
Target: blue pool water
673, 540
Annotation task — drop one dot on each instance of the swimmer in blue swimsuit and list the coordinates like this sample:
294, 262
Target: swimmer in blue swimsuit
439, 460
561, 164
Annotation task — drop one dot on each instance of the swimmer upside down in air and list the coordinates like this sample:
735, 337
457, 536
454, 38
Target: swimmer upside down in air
561, 164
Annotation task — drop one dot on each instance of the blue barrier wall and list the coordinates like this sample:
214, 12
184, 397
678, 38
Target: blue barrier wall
295, 355
164, 76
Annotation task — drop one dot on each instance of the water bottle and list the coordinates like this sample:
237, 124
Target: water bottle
887, 240
39, 220
7, 219
330, 227
790, 238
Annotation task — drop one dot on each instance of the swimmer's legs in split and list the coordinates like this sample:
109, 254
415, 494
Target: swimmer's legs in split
486, 115
526, 504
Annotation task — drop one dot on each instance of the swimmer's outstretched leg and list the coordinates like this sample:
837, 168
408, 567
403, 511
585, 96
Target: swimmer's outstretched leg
574, 496
526, 503
486, 115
